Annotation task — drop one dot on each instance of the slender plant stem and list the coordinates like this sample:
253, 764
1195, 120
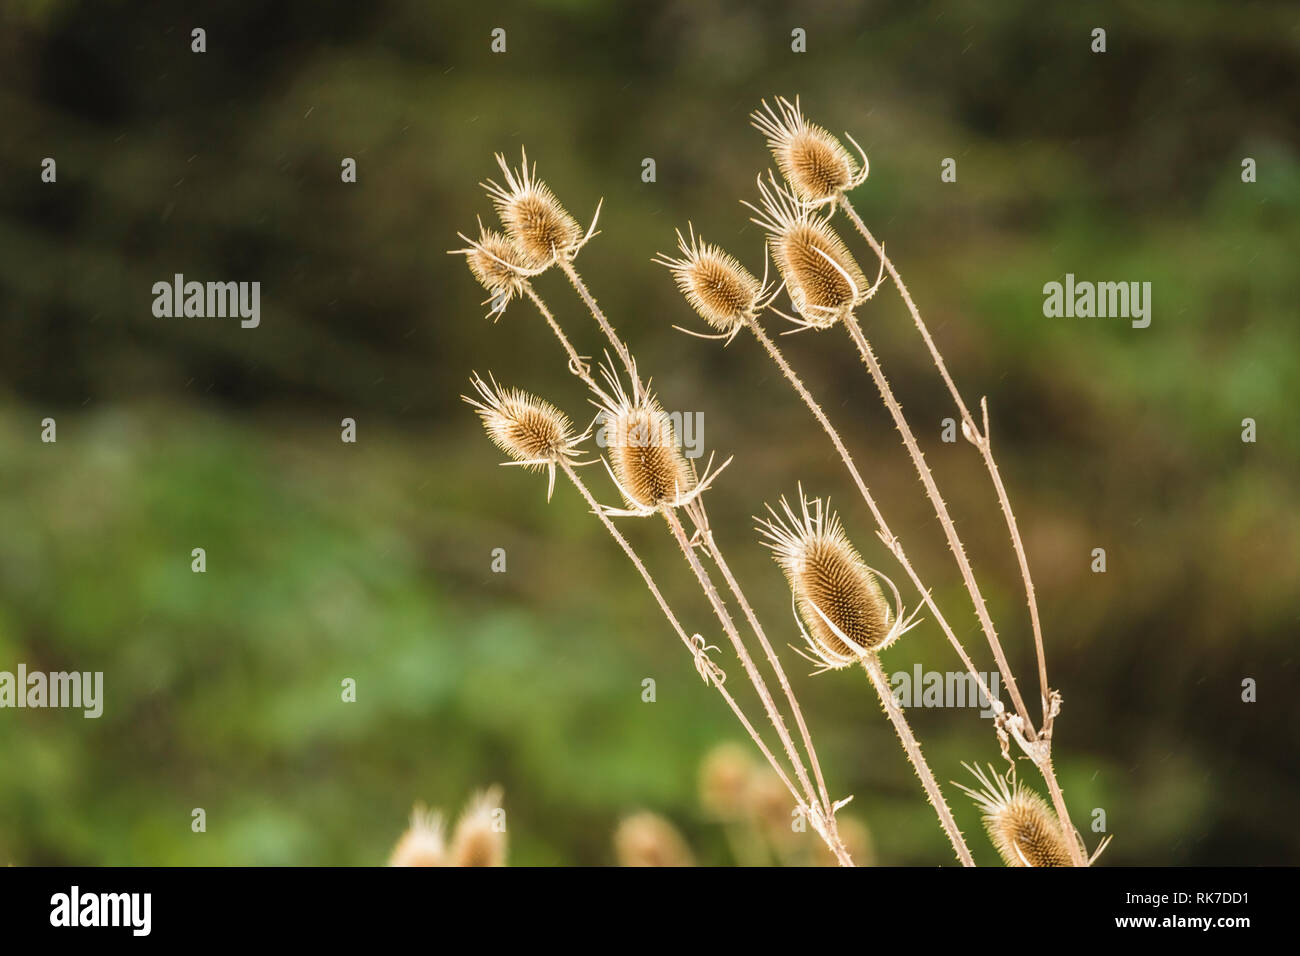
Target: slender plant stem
1062, 811
827, 814
716, 554
876, 673
672, 618
620, 347
821, 821
941, 511
891, 541
576, 364
978, 437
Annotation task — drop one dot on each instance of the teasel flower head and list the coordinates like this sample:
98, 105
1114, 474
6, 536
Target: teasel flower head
534, 433
814, 163
641, 450
1019, 822
541, 229
496, 264
480, 835
724, 293
840, 607
423, 843
647, 839
823, 279
1021, 825
725, 779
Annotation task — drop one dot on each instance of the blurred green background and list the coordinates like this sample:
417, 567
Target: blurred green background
372, 561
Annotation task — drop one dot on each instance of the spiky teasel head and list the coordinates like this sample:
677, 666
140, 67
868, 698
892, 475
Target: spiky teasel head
814, 163
423, 843
533, 432
724, 293
496, 264
647, 839
1021, 825
824, 281
541, 229
480, 836
642, 455
843, 609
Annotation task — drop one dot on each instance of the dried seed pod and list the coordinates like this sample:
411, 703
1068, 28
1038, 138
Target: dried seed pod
647, 839
541, 229
814, 163
824, 281
497, 265
641, 448
423, 843
843, 611
480, 835
1021, 825
716, 285
533, 432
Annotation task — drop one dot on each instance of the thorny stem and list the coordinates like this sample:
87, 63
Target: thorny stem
973, 433
1042, 757
576, 365
822, 822
625, 355
716, 553
892, 542
941, 510
672, 618
619, 346
871, 664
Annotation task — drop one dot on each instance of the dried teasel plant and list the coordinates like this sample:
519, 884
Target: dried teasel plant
841, 609
815, 164
652, 482
479, 838
1019, 822
826, 286
425, 841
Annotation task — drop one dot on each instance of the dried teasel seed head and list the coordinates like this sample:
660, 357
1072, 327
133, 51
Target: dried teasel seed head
423, 843
717, 286
843, 610
725, 778
647, 839
480, 835
1021, 825
824, 281
641, 447
533, 432
814, 163
496, 264
541, 229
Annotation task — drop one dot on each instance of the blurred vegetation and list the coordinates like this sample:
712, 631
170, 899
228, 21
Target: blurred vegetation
371, 561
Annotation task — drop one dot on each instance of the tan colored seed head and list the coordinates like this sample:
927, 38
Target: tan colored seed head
641, 447
824, 281
541, 229
533, 432
1021, 825
814, 163
480, 836
423, 842
647, 839
716, 285
840, 602
496, 264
